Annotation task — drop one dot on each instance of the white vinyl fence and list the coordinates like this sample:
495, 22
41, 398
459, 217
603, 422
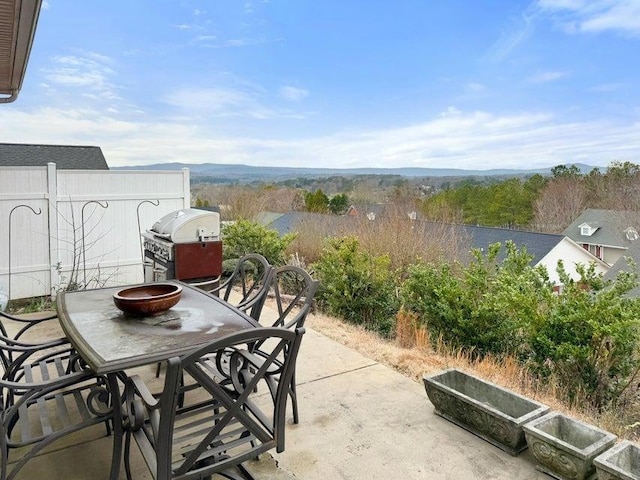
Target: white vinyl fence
62, 229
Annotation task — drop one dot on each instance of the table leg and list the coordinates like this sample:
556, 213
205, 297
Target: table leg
118, 431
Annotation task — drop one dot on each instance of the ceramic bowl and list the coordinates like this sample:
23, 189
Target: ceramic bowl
147, 299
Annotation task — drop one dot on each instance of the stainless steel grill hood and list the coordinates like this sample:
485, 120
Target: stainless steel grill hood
188, 225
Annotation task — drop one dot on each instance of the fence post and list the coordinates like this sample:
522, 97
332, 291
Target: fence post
186, 188
54, 234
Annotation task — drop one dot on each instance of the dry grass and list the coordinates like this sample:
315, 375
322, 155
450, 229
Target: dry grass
404, 241
414, 355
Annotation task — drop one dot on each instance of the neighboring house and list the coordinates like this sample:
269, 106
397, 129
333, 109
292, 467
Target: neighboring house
378, 210
607, 234
547, 249
291, 222
66, 157
612, 236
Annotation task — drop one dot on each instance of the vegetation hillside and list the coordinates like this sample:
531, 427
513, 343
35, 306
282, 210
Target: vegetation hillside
535, 202
400, 281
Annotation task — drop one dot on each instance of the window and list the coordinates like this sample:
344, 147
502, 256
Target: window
631, 234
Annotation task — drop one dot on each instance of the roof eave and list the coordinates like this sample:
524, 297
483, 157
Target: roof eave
18, 21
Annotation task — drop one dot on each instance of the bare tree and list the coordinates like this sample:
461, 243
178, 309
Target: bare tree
559, 203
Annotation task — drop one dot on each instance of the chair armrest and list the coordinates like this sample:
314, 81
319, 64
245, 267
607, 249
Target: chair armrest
48, 385
135, 385
15, 318
138, 401
27, 323
20, 346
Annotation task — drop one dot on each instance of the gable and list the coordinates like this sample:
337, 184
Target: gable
66, 157
588, 229
609, 228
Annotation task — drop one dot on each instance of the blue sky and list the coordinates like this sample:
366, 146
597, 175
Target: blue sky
336, 83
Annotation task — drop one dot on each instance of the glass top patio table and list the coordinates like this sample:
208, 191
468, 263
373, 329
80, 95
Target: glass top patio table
110, 340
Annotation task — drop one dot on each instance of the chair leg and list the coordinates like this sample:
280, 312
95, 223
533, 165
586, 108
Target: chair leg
158, 366
127, 451
294, 400
245, 473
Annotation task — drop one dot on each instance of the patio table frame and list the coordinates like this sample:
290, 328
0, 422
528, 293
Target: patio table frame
111, 341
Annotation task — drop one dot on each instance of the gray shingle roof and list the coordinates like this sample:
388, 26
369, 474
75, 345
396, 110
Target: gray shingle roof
537, 244
66, 157
611, 226
611, 232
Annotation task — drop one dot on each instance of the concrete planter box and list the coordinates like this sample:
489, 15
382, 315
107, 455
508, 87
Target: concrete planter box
621, 462
485, 409
564, 447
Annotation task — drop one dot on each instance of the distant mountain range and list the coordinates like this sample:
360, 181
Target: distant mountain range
245, 173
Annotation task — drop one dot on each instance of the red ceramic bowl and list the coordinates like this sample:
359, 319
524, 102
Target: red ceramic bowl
147, 299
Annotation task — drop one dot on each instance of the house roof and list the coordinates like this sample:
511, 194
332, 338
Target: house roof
612, 231
18, 20
537, 244
325, 225
65, 157
611, 227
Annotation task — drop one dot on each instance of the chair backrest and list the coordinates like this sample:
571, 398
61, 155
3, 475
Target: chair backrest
293, 290
235, 421
251, 278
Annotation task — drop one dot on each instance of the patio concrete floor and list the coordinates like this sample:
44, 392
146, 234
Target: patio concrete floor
358, 420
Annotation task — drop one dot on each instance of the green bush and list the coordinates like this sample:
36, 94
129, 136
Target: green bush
585, 337
356, 286
589, 338
243, 237
483, 307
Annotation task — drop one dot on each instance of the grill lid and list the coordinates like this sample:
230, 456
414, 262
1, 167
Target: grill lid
188, 225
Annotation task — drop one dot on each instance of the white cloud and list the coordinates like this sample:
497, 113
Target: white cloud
91, 72
246, 102
517, 31
205, 38
621, 16
476, 87
546, 77
456, 139
450, 111
244, 42
293, 93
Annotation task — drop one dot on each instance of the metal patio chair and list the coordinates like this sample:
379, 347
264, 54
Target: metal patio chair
235, 420
23, 324
46, 393
293, 290
251, 279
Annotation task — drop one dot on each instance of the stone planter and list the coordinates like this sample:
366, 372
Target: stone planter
564, 447
485, 409
621, 462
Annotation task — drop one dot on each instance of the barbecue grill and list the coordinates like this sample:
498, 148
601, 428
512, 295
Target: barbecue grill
183, 245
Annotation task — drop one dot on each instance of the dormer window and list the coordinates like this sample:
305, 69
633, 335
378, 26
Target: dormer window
631, 234
586, 229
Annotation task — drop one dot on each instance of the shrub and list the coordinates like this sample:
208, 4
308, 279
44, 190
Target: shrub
589, 339
243, 237
484, 307
356, 286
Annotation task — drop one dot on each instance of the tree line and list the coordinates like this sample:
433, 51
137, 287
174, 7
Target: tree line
547, 204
